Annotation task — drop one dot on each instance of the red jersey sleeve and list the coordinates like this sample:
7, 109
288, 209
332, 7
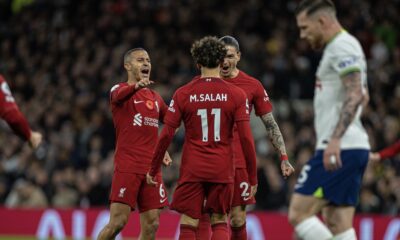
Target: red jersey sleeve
120, 93
261, 102
173, 116
10, 112
390, 151
242, 105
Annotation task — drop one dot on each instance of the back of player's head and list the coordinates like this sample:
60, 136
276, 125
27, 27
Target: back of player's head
230, 41
312, 6
208, 52
127, 55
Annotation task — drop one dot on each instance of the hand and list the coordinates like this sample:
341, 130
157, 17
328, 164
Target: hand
374, 157
253, 190
286, 168
143, 83
35, 140
150, 180
167, 161
332, 159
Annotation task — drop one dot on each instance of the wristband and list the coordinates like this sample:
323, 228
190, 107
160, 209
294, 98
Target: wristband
284, 157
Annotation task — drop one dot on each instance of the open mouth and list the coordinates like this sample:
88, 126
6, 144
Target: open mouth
225, 70
145, 72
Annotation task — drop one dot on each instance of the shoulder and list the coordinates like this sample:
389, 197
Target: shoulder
345, 44
116, 86
237, 92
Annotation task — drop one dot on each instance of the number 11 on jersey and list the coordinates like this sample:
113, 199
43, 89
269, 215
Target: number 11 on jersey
204, 123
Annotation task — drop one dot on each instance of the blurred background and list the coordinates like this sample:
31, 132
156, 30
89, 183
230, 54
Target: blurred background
62, 57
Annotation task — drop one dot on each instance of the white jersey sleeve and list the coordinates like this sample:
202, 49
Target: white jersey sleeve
341, 56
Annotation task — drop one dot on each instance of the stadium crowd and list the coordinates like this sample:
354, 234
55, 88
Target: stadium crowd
61, 58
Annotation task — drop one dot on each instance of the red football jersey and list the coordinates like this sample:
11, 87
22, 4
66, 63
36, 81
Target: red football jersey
258, 97
7, 101
136, 121
10, 112
209, 107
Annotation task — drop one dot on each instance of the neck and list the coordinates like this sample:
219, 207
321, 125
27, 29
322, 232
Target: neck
210, 72
131, 79
332, 31
234, 74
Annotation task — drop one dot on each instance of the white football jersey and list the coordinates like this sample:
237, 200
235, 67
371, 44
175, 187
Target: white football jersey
342, 55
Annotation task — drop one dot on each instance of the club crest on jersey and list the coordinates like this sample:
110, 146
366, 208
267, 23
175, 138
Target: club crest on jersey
266, 97
121, 192
318, 84
171, 106
150, 104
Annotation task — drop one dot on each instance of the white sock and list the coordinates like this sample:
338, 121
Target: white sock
349, 234
312, 229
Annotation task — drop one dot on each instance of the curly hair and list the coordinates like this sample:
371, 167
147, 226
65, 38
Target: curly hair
209, 52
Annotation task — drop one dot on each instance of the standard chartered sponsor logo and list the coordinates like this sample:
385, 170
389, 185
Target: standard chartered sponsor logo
139, 120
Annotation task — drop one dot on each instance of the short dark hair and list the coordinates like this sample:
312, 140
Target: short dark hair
208, 52
311, 6
127, 54
230, 41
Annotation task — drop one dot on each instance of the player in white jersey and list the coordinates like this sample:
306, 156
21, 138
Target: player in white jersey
331, 179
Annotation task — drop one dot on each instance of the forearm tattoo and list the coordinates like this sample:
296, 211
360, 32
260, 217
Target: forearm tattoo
273, 133
353, 98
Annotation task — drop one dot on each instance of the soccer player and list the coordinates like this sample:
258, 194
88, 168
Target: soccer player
258, 97
330, 181
385, 153
10, 112
136, 112
209, 108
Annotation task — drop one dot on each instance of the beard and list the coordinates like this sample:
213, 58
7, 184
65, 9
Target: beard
317, 43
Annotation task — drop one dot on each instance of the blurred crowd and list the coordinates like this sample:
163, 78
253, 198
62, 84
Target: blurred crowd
61, 58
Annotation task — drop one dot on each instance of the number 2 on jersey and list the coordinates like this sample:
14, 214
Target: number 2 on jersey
204, 123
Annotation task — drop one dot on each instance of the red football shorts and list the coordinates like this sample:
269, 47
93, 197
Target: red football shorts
132, 189
189, 198
242, 189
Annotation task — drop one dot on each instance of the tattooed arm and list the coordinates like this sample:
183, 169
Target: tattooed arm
353, 99
273, 133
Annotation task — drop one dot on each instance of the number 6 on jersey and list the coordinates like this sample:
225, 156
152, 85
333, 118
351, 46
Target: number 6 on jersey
204, 123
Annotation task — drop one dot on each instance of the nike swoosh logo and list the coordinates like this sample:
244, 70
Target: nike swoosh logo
163, 200
136, 102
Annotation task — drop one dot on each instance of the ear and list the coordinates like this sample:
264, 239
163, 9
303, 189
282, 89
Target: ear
198, 66
239, 55
127, 66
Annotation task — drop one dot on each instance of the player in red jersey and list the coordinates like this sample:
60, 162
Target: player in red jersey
387, 152
10, 112
136, 111
209, 108
258, 98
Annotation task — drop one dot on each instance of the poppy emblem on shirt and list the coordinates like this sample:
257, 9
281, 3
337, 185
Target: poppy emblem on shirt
150, 104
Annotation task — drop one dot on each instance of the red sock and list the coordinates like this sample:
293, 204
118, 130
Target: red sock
220, 231
239, 233
187, 232
204, 228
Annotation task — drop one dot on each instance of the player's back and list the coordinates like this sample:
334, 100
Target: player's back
209, 108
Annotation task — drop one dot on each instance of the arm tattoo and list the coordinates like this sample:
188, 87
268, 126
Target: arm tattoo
353, 99
273, 132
